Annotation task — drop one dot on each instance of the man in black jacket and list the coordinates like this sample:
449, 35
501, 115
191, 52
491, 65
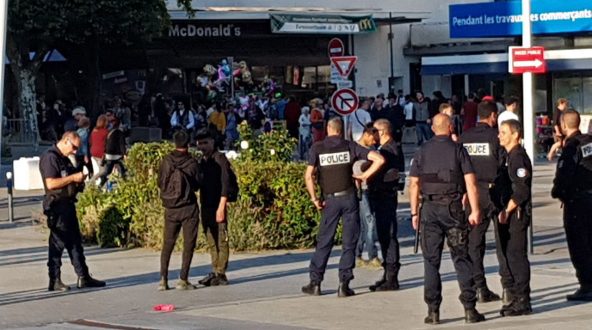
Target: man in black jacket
214, 198
178, 180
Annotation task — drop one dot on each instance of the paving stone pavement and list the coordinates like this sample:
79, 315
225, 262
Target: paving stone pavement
265, 287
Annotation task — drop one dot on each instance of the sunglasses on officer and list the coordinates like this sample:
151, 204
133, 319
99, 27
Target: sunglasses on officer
74, 146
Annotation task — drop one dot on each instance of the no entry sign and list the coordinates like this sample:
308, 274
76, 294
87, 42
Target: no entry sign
345, 101
523, 60
336, 47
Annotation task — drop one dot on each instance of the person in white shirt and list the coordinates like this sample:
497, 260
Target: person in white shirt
510, 112
358, 120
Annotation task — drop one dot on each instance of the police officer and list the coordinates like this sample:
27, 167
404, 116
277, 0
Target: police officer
573, 186
383, 202
331, 162
514, 220
62, 183
482, 144
439, 170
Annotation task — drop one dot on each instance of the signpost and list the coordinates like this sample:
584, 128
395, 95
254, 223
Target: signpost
336, 47
345, 101
344, 64
523, 60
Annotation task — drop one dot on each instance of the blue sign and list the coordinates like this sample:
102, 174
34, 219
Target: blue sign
503, 19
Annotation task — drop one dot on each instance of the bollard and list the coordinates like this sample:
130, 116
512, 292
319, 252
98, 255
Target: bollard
9, 185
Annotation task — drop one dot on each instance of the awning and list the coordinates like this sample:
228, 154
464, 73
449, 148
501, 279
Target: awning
557, 60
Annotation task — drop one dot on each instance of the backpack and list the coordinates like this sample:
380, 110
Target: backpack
177, 189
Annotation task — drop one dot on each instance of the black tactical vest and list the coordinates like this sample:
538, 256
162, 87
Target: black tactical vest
441, 172
584, 169
480, 144
67, 193
335, 167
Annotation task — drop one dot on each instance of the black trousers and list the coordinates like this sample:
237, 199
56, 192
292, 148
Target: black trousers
64, 234
346, 207
578, 230
513, 241
439, 220
384, 207
186, 217
477, 241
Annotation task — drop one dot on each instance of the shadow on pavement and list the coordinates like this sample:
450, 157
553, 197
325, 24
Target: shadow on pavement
15, 256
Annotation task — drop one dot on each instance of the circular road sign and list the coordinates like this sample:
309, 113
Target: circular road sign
345, 101
336, 47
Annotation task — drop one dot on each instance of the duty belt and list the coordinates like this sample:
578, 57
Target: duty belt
340, 193
442, 197
487, 184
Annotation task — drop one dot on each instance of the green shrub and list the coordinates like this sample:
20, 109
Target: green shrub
273, 210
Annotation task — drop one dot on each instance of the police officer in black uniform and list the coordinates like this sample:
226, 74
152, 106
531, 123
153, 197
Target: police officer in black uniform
439, 171
383, 202
573, 186
331, 162
62, 183
487, 155
514, 219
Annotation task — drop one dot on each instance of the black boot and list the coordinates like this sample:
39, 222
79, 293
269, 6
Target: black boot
207, 280
89, 282
485, 295
313, 289
519, 306
378, 283
390, 284
506, 296
584, 293
432, 318
473, 316
344, 290
56, 284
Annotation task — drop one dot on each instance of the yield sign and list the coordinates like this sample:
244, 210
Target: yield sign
523, 60
345, 101
344, 64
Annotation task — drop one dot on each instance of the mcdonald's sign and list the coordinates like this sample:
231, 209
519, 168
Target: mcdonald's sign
322, 24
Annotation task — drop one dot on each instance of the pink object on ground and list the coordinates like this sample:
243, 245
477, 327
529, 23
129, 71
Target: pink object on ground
164, 308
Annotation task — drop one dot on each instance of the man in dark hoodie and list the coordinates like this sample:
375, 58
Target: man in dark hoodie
178, 180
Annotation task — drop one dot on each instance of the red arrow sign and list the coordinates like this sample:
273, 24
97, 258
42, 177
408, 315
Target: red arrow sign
523, 60
344, 64
345, 101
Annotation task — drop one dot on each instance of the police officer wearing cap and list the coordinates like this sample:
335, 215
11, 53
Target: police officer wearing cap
514, 219
331, 161
383, 202
482, 144
62, 183
573, 186
441, 171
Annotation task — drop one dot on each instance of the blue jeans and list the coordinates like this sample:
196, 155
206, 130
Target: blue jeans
368, 234
423, 132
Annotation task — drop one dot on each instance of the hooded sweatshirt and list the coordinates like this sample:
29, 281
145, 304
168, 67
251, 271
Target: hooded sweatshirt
190, 168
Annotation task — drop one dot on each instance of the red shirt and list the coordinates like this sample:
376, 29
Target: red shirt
97, 141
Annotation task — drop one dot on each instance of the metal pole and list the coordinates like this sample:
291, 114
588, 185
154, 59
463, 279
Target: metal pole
527, 88
3, 16
10, 201
390, 37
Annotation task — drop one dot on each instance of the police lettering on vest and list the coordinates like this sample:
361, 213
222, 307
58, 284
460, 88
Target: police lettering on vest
587, 150
477, 149
338, 158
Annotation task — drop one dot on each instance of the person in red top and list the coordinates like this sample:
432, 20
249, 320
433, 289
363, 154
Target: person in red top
469, 113
97, 141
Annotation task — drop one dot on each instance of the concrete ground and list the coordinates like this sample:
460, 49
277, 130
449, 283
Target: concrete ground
265, 287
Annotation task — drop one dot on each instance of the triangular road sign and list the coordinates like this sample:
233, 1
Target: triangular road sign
344, 64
